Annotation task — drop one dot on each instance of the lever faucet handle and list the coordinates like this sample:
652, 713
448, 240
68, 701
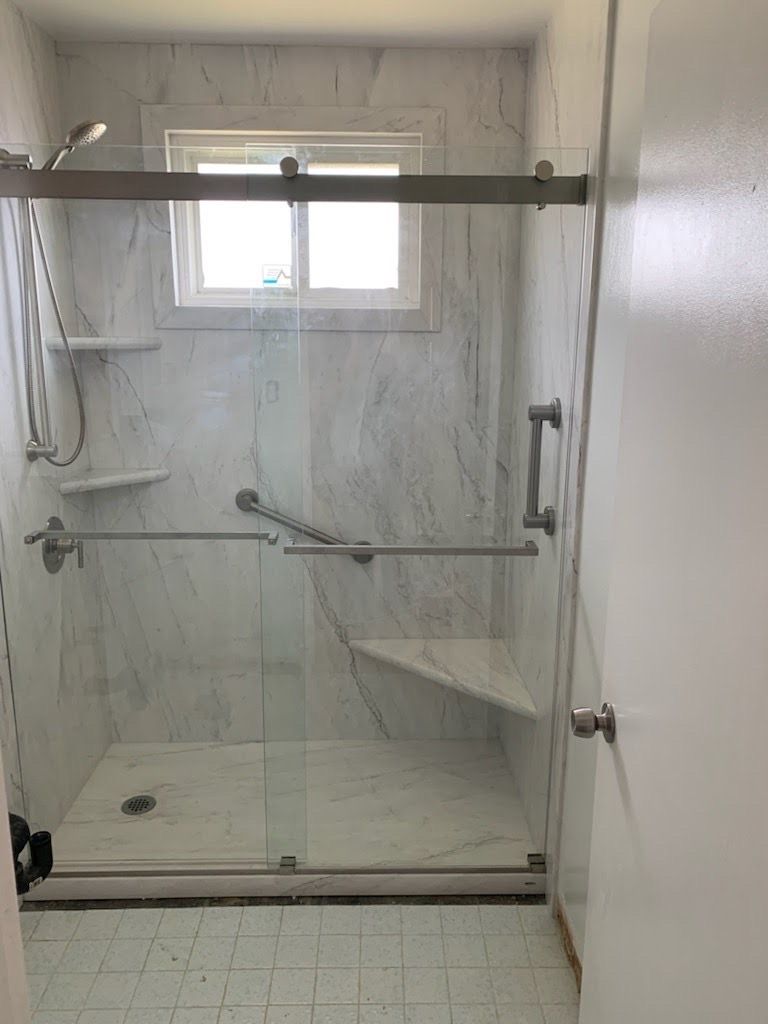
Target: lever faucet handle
80, 554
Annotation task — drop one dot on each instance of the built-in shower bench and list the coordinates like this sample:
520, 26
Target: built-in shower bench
481, 668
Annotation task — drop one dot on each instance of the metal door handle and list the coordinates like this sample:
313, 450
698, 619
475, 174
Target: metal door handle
533, 519
529, 549
585, 723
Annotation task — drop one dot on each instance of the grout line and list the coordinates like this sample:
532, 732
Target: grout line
71, 942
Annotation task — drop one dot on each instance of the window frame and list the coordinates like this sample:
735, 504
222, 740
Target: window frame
178, 119
186, 150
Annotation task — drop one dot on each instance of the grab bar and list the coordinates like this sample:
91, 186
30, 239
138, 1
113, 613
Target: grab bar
529, 549
247, 500
533, 519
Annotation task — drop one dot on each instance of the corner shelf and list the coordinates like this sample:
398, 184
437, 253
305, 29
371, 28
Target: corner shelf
90, 344
480, 668
102, 480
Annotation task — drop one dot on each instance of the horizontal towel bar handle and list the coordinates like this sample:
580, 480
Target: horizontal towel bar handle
527, 550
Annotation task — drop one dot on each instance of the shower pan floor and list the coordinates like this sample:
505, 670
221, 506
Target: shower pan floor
370, 804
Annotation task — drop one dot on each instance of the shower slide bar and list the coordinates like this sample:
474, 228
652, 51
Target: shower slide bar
540, 189
528, 550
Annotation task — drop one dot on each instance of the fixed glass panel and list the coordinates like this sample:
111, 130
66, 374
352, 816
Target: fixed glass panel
142, 675
160, 670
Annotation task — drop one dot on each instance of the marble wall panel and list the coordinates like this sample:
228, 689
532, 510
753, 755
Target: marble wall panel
376, 435
52, 622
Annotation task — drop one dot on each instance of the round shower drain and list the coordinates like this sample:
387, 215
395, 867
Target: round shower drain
138, 804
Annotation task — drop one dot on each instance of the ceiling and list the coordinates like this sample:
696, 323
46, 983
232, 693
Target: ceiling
344, 22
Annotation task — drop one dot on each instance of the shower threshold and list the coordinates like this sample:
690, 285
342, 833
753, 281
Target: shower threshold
383, 818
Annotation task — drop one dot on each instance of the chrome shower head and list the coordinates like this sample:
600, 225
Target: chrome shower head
84, 134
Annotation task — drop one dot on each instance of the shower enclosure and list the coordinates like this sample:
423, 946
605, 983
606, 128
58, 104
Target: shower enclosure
291, 621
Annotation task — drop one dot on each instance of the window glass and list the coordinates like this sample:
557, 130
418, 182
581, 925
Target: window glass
245, 245
354, 245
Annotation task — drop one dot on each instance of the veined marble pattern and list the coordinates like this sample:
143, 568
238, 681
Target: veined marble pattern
370, 804
482, 668
52, 621
385, 434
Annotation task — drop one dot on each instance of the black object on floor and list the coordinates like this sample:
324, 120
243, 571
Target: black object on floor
40, 863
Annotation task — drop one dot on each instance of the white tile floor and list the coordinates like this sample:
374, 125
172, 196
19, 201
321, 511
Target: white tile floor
382, 964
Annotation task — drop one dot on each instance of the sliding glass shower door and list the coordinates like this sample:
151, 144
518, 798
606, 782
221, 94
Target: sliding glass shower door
284, 659
371, 690
408, 689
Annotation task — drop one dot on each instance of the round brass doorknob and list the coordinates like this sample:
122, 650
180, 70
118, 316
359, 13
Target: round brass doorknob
585, 723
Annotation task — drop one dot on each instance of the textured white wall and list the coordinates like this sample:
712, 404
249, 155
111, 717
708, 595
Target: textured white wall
678, 896
623, 150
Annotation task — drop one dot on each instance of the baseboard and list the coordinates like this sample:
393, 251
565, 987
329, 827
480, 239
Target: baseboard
567, 937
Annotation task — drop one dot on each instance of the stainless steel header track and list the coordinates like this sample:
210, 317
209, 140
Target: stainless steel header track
302, 188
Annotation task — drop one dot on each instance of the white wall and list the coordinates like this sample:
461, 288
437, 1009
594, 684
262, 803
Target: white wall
678, 896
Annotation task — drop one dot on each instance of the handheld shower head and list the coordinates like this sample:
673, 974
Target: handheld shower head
84, 134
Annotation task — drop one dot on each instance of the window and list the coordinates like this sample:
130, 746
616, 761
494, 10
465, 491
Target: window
315, 267
323, 256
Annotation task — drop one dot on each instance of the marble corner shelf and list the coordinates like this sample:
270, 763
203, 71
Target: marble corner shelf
102, 480
481, 668
90, 344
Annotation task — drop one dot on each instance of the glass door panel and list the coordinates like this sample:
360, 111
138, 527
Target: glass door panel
428, 677
278, 461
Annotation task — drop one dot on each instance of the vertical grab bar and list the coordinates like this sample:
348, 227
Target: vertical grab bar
533, 519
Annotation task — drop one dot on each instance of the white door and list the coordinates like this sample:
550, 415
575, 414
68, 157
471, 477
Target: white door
677, 924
